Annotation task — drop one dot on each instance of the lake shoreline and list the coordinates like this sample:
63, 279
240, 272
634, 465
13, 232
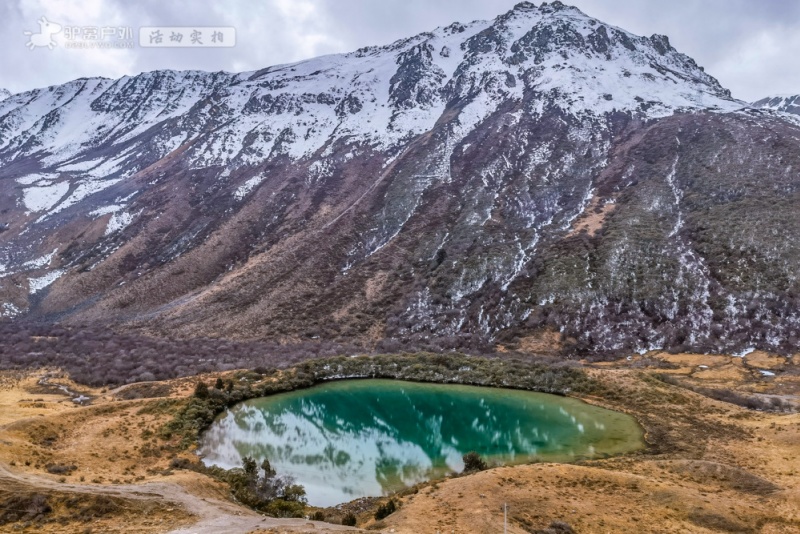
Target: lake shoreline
375, 437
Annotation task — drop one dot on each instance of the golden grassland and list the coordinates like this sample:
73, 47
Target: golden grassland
710, 466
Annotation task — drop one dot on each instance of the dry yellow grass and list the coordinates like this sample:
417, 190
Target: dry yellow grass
21, 398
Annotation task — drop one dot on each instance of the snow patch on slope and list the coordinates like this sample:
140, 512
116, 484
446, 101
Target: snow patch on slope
39, 179
245, 189
84, 189
38, 263
40, 283
118, 221
9, 310
44, 198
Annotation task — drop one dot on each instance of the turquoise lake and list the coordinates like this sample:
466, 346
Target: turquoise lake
356, 438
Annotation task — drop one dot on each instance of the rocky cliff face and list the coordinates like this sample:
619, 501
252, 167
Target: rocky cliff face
539, 175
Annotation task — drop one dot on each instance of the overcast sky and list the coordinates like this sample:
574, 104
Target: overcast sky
751, 46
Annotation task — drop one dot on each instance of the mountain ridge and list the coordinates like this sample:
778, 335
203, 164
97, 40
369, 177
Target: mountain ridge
482, 183
783, 103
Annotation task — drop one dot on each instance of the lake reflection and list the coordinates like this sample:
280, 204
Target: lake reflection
351, 439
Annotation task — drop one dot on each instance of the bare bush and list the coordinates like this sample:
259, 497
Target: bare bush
101, 357
58, 469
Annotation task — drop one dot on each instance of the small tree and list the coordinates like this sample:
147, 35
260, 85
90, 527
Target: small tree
219, 384
250, 467
294, 493
349, 520
269, 472
201, 390
473, 462
263, 489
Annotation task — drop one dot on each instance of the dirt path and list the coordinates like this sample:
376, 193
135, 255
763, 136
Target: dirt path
214, 516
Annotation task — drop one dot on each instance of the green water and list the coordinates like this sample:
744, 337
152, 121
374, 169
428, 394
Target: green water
356, 438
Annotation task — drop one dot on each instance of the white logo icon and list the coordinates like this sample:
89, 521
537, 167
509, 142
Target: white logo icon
44, 38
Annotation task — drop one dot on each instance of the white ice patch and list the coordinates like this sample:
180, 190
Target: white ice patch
110, 166
744, 353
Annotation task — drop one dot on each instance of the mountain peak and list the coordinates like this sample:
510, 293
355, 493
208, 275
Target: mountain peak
784, 103
524, 6
4, 93
545, 7
531, 9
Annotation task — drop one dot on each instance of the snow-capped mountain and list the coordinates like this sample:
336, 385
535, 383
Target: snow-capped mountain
481, 183
4, 93
784, 103
377, 95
